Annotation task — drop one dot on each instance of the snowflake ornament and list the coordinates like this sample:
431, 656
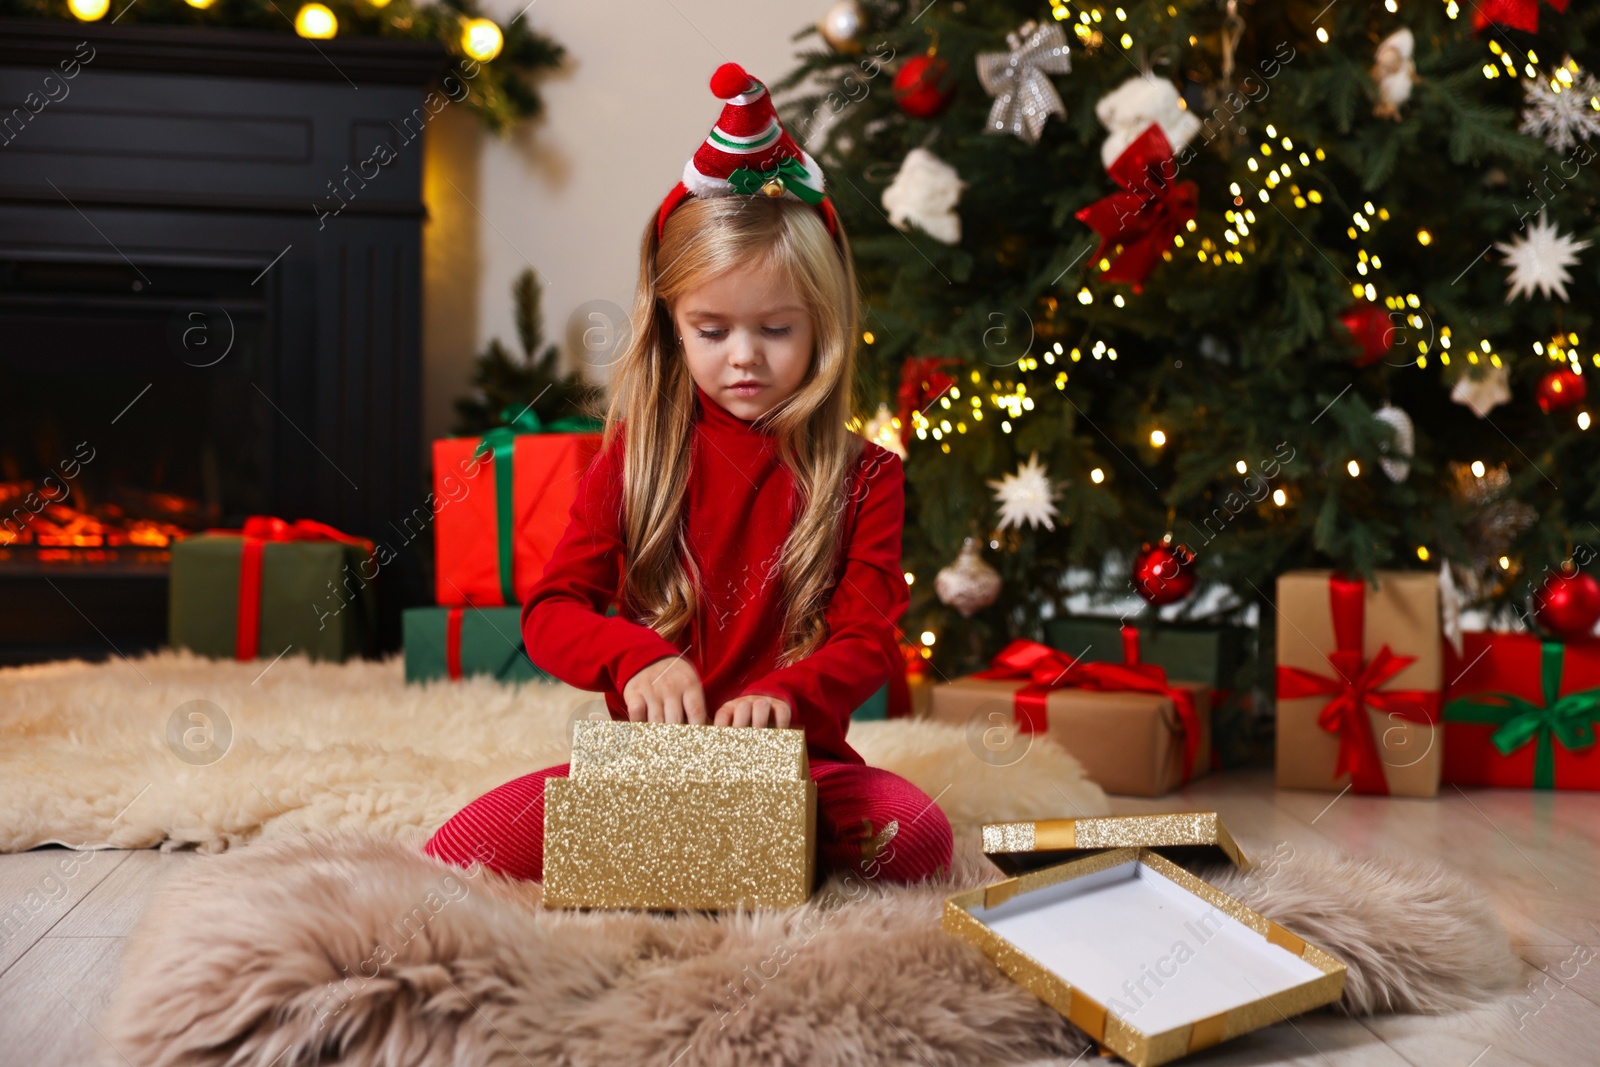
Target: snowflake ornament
1540, 260
1026, 496
882, 430
1485, 393
1563, 114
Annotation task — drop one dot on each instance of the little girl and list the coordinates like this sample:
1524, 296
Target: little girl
755, 542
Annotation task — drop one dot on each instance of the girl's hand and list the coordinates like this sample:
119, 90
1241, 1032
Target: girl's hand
754, 710
667, 690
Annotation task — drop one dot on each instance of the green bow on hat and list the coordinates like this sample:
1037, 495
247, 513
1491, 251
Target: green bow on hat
499, 442
1568, 719
791, 173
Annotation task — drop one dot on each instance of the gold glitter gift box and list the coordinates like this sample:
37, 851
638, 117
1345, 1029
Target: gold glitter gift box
678, 816
1187, 838
1147, 959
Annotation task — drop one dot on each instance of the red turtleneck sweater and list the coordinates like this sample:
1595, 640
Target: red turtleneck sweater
740, 510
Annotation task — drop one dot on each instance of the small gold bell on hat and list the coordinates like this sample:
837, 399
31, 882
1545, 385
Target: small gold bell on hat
773, 187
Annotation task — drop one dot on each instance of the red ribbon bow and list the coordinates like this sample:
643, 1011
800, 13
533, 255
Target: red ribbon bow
1047, 669
1518, 14
1144, 217
257, 531
1356, 686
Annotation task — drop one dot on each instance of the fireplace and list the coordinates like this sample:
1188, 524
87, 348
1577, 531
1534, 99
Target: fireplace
189, 335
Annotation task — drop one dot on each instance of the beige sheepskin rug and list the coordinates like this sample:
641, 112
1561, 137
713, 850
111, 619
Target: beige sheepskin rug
174, 749
357, 950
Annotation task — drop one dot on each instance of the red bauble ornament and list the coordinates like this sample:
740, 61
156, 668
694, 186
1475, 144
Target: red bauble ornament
924, 86
1372, 328
1164, 573
1561, 389
1568, 605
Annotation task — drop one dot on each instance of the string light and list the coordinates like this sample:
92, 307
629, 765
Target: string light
1583, 420
1478, 468
1422, 553
1279, 497
88, 10
316, 22
1354, 468
927, 637
1158, 438
481, 39
1097, 476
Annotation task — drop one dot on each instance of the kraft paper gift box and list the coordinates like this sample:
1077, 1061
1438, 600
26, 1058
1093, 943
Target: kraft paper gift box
1191, 837
1521, 713
462, 642
678, 816
273, 587
1141, 955
1358, 683
1135, 733
501, 503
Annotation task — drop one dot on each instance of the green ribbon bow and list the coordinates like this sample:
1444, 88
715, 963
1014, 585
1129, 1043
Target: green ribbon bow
499, 443
748, 181
1568, 719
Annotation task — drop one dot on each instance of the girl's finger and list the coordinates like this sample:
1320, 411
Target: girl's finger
673, 707
741, 712
694, 705
760, 712
638, 709
655, 707
781, 714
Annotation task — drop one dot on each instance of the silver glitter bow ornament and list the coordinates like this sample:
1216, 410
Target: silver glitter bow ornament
1023, 96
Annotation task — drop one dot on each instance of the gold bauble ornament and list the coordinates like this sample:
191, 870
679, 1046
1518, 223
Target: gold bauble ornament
841, 26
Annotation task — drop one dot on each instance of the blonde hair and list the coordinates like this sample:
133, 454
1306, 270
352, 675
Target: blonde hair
654, 395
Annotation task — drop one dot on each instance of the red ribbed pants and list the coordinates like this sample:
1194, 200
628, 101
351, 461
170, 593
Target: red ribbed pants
868, 819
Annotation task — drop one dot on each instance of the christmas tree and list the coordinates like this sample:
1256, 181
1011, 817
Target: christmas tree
1284, 284
505, 386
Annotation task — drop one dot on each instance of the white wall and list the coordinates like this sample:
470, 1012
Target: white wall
570, 194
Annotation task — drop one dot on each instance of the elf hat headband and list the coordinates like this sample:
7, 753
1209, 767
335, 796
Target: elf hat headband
748, 152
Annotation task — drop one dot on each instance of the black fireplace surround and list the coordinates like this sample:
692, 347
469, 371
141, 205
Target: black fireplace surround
210, 305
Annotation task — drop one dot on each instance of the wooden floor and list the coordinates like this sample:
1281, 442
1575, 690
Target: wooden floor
65, 916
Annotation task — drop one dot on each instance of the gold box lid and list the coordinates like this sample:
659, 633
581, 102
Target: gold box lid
1184, 837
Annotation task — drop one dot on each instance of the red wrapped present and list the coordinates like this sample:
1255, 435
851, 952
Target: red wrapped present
501, 504
1521, 713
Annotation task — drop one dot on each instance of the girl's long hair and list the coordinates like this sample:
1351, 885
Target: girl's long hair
653, 399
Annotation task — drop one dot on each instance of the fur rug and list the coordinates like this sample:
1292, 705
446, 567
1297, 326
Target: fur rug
356, 950
111, 755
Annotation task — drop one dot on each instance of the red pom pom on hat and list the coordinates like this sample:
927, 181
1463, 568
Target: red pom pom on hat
748, 152
730, 80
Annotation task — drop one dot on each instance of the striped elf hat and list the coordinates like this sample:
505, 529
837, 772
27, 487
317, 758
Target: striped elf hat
748, 152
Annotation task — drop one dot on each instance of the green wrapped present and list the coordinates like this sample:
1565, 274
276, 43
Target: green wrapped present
1187, 652
457, 642
273, 588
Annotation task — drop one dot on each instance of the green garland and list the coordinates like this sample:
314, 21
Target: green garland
501, 94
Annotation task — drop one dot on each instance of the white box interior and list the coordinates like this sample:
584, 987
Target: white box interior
1152, 952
